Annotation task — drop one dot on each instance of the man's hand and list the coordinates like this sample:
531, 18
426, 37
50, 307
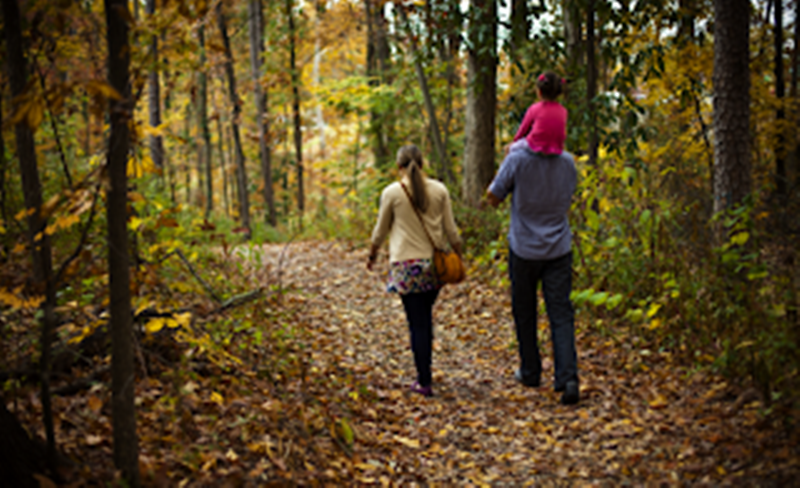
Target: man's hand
490, 199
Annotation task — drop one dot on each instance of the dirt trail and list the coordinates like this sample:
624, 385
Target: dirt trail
642, 418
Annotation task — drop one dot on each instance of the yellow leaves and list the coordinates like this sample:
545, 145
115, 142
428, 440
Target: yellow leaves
62, 222
102, 89
217, 398
172, 322
659, 402
30, 108
14, 299
138, 167
412, 443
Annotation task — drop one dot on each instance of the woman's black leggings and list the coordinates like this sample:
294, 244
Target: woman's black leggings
419, 312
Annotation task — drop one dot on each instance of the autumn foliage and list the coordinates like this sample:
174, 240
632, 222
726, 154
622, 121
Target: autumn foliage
265, 353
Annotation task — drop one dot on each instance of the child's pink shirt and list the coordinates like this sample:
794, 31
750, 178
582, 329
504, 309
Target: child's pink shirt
544, 127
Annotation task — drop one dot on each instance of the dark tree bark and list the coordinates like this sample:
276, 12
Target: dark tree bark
202, 120
455, 26
298, 134
377, 66
436, 135
126, 449
572, 35
222, 159
256, 52
479, 127
3, 161
520, 25
241, 172
38, 240
732, 177
591, 83
156, 142
20, 457
780, 116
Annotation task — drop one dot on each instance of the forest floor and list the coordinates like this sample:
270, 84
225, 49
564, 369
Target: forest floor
329, 403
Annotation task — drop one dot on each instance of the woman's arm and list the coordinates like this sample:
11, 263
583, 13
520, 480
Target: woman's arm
381, 230
450, 228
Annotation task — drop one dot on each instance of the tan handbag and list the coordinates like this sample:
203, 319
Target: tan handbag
447, 265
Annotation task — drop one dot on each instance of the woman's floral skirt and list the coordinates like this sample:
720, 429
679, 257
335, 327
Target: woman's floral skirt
412, 276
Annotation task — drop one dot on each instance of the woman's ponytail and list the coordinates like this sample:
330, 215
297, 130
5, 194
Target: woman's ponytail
410, 158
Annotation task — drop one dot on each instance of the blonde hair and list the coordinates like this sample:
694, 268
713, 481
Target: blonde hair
410, 158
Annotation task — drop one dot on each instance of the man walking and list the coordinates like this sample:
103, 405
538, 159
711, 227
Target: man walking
539, 241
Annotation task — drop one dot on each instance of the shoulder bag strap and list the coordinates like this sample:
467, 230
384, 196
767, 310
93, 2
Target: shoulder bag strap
416, 210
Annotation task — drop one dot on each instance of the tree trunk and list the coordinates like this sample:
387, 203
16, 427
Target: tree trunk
591, 84
479, 126
222, 159
731, 79
436, 135
256, 52
520, 26
573, 36
154, 97
20, 457
202, 120
298, 134
241, 172
38, 240
3, 161
377, 58
455, 24
126, 449
780, 90
795, 159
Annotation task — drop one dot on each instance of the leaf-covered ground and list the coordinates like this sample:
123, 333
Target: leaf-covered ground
323, 399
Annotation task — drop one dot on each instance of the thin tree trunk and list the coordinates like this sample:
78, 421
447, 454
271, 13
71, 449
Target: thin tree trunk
298, 134
32, 191
376, 39
222, 158
126, 449
202, 120
241, 172
479, 126
156, 142
455, 27
780, 116
3, 161
256, 52
795, 66
591, 84
572, 35
520, 26
732, 178
436, 135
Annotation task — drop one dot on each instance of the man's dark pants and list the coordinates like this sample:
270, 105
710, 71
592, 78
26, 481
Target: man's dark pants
419, 312
556, 277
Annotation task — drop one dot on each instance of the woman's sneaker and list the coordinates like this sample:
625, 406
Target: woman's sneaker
425, 391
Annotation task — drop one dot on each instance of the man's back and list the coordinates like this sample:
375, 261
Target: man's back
542, 193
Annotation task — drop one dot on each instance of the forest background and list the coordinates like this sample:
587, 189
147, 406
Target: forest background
183, 133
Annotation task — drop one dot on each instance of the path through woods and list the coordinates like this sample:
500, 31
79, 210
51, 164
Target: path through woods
316, 391
642, 418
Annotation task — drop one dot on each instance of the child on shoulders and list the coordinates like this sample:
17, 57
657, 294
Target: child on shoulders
544, 127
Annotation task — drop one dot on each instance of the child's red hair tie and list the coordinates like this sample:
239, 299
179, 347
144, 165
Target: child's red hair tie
541, 77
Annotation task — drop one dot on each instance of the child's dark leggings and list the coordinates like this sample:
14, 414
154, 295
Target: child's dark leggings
419, 312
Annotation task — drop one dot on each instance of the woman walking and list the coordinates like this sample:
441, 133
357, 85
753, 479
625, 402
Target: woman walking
411, 210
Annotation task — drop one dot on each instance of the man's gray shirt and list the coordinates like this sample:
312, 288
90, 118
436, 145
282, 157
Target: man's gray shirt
542, 189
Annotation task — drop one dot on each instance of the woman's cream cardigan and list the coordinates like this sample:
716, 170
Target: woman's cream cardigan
397, 218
